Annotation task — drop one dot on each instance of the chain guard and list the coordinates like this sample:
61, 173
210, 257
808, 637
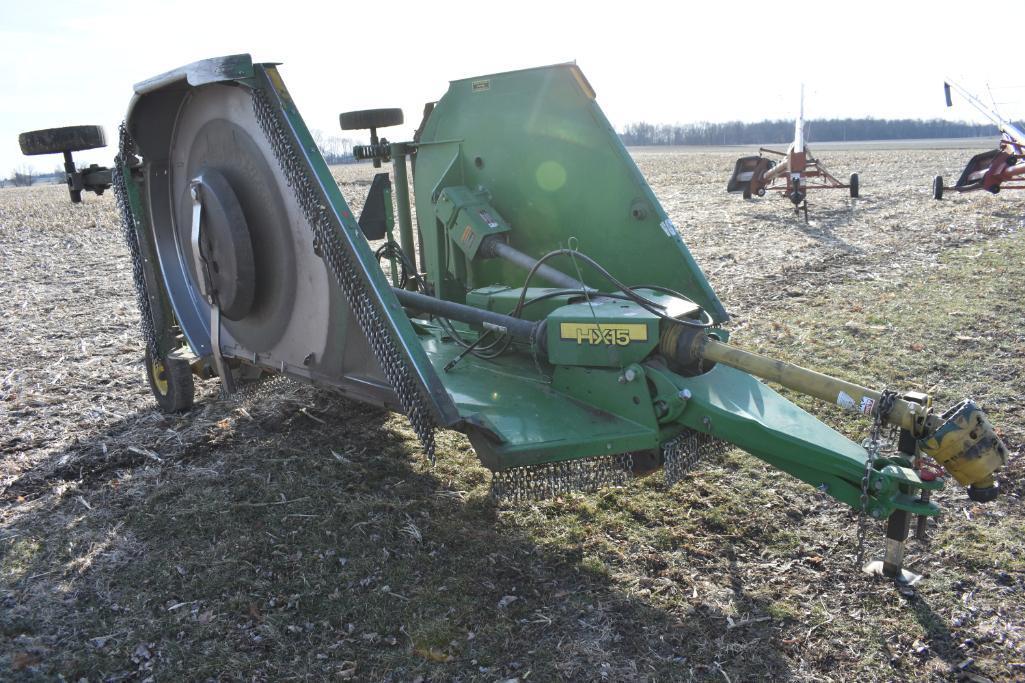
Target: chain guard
683, 452
130, 232
346, 274
551, 479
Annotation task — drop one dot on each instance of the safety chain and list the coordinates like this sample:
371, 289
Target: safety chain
547, 480
130, 232
681, 453
260, 390
873, 445
335, 254
248, 392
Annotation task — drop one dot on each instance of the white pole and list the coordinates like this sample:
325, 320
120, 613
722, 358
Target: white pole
1005, 126
799, 126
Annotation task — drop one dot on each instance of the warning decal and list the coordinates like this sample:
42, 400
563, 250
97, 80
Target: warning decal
592, 333
845, 401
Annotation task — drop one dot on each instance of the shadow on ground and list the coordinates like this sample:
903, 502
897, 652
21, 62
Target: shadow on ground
260, 549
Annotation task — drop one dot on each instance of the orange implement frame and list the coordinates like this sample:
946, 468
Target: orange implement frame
793, 176
1000, 169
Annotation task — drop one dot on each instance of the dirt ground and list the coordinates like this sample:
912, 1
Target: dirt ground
299, 536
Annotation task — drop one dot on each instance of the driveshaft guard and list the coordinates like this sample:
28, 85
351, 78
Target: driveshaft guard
967, 446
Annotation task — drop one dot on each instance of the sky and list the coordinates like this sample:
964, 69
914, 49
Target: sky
73, 62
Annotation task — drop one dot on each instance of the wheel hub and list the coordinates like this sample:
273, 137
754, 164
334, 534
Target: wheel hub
159, 373
226, 246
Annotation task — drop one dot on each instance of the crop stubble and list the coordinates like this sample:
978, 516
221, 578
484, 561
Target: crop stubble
301, 535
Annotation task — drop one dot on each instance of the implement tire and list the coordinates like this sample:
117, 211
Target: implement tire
370, 118
170, 380
56, 140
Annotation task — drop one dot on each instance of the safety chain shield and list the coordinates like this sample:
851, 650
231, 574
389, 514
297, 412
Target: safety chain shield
260, 390
681, 453
130, 232
548, 480
335, 254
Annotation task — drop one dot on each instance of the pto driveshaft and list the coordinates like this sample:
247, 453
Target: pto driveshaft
962, 439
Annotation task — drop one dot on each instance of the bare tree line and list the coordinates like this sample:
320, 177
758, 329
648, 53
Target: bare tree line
816, 130
23, 176
336, 149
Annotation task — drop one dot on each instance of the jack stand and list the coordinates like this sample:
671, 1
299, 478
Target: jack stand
921, 529
892, 564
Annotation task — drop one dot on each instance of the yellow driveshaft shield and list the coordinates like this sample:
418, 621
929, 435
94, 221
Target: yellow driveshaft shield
966, 445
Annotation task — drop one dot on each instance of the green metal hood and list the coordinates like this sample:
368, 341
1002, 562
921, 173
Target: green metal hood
538, 143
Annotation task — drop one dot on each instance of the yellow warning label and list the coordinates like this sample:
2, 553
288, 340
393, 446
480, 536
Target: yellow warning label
279, 85
612, 334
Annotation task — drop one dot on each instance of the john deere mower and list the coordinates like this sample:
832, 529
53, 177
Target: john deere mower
542, 302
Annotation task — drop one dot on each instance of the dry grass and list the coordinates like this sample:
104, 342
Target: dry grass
298, 536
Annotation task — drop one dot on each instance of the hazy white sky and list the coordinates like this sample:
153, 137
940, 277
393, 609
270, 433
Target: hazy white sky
70, 62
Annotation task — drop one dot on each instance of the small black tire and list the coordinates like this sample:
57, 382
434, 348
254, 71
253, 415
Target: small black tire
370, 118
171, 382
855, 185
937, 187
67, 139
747, 192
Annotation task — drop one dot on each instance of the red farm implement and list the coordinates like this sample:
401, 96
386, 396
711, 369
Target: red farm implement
1002, 168
792, 173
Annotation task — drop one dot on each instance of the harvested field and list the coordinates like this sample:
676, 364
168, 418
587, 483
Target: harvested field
298, 536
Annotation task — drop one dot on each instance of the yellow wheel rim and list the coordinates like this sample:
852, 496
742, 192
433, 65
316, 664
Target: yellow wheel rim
159, 373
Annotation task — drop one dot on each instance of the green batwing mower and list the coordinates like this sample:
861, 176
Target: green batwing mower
541, 302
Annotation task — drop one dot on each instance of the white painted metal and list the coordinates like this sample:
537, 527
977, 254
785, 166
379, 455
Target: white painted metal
799, 126
1005, 126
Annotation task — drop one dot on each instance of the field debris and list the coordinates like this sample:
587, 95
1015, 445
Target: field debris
298, 535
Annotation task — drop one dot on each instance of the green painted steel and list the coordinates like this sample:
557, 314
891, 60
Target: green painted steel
468, 220
539, 144
401, 183
601, 333
160, 304
528, 157
389, 224
535, 146
738, 408
503, 299
516, 415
